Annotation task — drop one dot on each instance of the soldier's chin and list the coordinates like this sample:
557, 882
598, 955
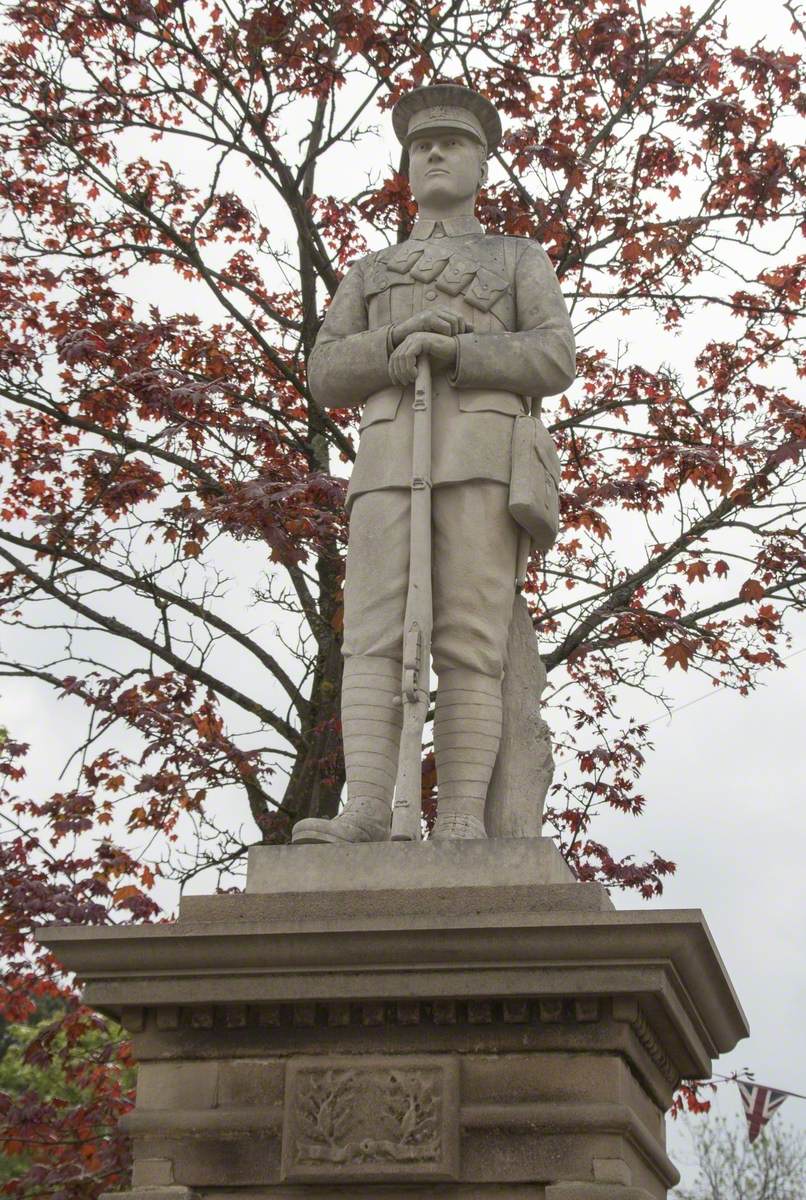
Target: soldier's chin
437, 197
438, 187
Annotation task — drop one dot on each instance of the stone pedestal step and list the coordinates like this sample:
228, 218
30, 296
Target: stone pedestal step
401, 1022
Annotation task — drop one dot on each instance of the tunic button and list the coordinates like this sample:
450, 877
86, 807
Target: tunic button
431, 295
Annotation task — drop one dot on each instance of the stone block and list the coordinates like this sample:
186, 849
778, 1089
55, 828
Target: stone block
200, 1016
587, 1009
168, 1017
551, 1010
245, 1083
152, 1172
519, 1078
408, 1012
612, 1170
444, 1012
373, 1013
132, 1018
176, 1085
515, 1012
541, 1147
304, 1015
497, 862
217, 1161
234, 1016
479, 1012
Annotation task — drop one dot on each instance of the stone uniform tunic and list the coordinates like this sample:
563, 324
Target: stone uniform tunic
522, 346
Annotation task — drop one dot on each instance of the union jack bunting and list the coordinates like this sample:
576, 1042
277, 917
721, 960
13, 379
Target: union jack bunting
760, 1103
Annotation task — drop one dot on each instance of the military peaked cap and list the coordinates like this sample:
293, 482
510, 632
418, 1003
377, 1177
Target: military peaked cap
446, 106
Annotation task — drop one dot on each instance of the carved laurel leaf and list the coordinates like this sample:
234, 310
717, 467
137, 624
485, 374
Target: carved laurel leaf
411, 1103
325, 1104
344, 1096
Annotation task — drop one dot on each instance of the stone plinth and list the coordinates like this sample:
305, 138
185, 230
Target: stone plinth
411, 866
408, 1021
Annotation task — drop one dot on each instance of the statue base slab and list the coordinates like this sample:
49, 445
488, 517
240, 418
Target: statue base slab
410, 866
373, 1022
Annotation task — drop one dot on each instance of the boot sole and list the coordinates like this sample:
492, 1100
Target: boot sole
332, 837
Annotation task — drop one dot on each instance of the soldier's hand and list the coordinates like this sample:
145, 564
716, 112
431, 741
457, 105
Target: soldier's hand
403, 361
431, 320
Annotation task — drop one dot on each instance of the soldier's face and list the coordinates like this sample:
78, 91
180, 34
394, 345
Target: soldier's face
445, 169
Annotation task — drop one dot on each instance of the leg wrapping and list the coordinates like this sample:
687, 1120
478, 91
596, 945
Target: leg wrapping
467, 733
371, 723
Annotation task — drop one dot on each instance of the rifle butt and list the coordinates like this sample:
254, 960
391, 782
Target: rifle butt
407, 811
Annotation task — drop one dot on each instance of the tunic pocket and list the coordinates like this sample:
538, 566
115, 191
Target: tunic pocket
378, 280
456, 276
381, 406
486, 289
402, 258
486, 400
432, 263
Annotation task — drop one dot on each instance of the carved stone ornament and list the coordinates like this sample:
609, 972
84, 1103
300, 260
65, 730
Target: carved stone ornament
371, 1118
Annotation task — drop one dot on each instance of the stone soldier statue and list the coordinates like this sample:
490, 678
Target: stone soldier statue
488, 311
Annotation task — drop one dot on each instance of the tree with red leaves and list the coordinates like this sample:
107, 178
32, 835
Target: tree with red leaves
185, 185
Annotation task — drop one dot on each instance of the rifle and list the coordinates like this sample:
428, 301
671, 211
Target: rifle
418, 622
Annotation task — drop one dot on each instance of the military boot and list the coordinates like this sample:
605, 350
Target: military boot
371, 721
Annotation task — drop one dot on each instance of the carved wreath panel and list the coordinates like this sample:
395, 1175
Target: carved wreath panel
371, 1117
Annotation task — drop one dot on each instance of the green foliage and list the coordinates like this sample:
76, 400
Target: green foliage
730, 1168
57, 1063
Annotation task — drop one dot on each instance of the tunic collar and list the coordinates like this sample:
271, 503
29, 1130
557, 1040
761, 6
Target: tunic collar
452, 227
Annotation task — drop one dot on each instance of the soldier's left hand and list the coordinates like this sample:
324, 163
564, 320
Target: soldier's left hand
403, 361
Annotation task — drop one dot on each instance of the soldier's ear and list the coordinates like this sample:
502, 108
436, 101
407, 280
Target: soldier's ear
483, 176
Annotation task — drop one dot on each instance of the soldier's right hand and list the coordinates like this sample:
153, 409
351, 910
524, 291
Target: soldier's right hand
430, 320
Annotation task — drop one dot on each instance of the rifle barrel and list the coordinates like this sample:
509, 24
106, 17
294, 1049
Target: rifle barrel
418, 622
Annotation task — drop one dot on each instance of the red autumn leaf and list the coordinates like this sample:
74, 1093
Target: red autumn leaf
129, 892
696, 572
679, 654
751, 589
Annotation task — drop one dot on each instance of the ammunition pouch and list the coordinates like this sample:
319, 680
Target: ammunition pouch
535, 480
